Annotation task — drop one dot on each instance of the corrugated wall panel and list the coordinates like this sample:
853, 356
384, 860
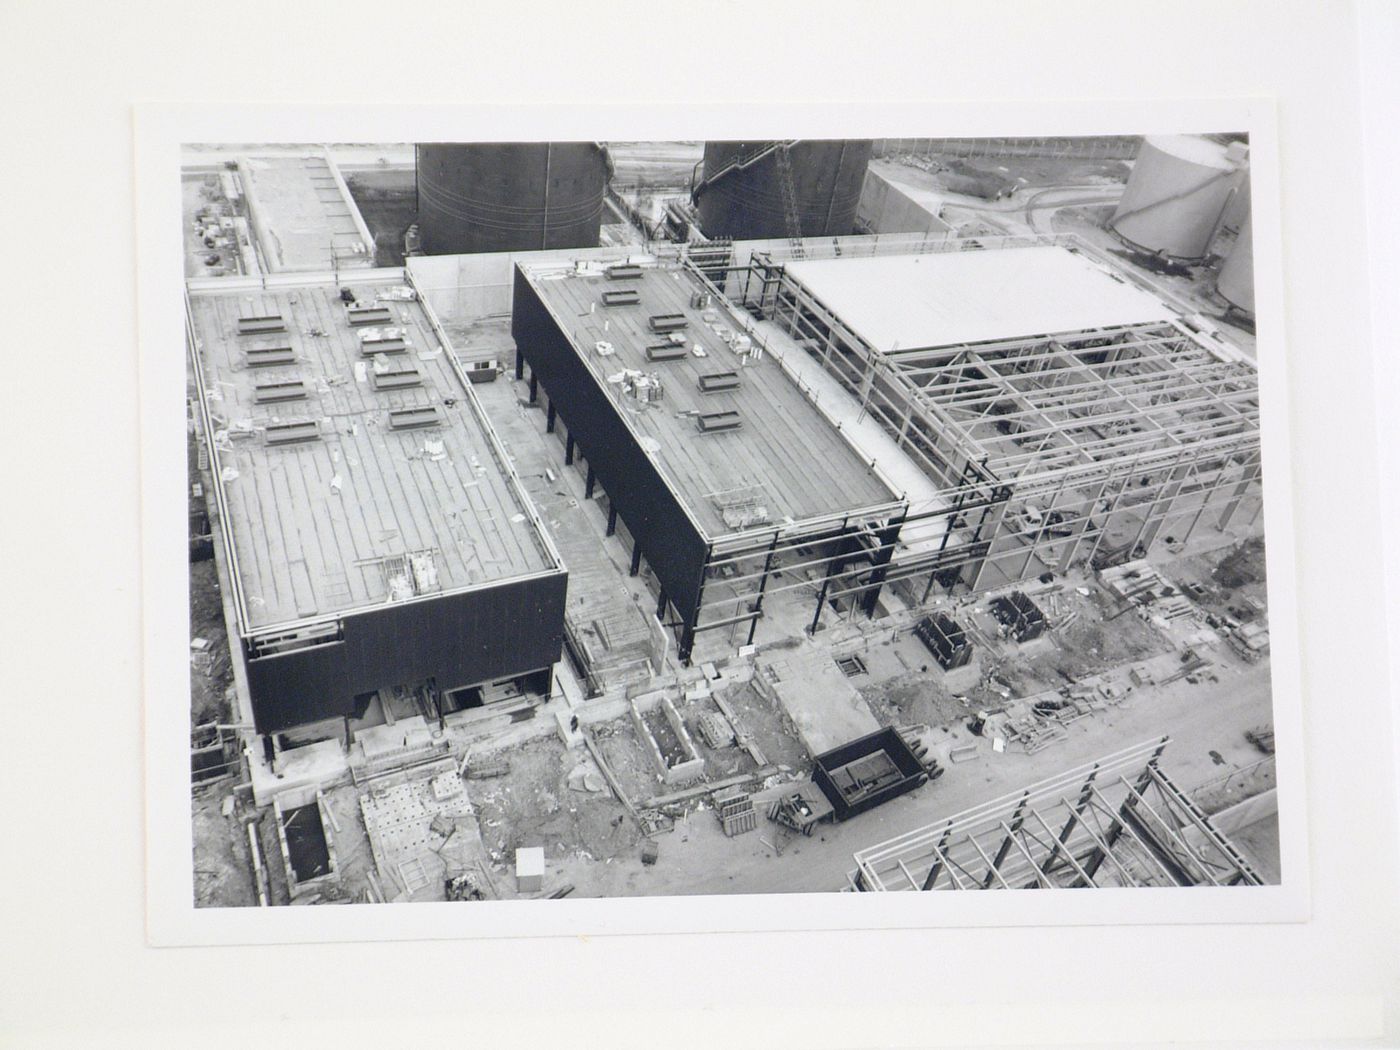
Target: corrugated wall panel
461, 639
670, 542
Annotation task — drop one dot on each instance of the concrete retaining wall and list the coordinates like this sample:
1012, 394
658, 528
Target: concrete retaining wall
691, 768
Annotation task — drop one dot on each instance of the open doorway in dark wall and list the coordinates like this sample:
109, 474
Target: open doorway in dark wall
463, 699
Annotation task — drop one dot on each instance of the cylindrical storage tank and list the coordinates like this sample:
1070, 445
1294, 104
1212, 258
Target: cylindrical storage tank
1236, 280
510, 196
1175, 196
743, 199
1237, 207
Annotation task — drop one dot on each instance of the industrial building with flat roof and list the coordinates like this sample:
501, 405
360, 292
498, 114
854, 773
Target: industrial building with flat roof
375, 533
1063, 409
720, 466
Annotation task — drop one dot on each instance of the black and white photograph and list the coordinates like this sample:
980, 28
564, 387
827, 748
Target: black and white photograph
701, 525
652, 518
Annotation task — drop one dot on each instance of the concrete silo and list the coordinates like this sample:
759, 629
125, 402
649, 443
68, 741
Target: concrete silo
1176, 195
742, 192
510, 196
1235, 283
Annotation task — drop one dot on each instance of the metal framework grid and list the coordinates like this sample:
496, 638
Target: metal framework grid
1051, 448
1119, 821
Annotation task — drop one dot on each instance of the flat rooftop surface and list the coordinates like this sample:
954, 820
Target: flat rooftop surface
318, 525
942, 299
300, 209
801, 465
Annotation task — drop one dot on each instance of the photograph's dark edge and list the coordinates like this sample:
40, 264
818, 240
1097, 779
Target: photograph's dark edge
620, 519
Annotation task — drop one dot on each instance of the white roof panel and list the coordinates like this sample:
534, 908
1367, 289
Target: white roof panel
912, 301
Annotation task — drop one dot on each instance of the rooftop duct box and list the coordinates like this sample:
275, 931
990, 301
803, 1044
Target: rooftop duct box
268, 356
715, 382
260, 325
667, 322
667, 352
714, 422
359, 315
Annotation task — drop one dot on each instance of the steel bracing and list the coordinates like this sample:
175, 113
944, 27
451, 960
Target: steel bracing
1120, 821
1067, 446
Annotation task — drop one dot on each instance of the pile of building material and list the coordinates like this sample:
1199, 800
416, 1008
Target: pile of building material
716, 730
1139, 583
418, 827
736, 811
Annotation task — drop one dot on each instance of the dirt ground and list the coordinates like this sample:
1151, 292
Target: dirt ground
222, 863
211, 679
1229, 582
533, 805
770, 728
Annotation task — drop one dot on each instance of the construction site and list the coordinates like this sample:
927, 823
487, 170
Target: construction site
593, 519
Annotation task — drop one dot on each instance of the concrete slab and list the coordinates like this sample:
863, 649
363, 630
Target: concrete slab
813, 692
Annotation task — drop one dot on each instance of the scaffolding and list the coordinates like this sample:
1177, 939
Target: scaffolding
1120, 821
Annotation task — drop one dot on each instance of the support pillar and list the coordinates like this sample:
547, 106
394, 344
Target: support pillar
989, 526
519, 365
1016, 821
569, 449
762, 586
1071, 547
636, 560
1159, 510
1129, 804
834, 566
1251, 475
550, 416
661, 606
588, 484
612, 521
692, 617
881, 563
534, 387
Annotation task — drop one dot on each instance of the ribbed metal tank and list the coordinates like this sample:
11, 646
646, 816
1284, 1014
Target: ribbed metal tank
1235, 282
740, 194
1175, 196
510, 196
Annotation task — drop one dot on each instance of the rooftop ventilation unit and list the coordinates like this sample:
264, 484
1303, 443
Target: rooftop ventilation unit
279, 390
292, 433
397, 379
622, 297
715, 382
624, 273
414, 418
261, 325
267, 356
714, 422
667, 322
667, 352
383, 345
359, 315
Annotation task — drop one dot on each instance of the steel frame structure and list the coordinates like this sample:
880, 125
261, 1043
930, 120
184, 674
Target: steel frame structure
1076, 445
830, 559
1120, 821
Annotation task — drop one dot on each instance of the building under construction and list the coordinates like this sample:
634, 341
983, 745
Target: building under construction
1120, 821
1060, 410
722, 470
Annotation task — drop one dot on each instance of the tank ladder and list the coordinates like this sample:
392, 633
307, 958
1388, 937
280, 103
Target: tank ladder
789, 191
